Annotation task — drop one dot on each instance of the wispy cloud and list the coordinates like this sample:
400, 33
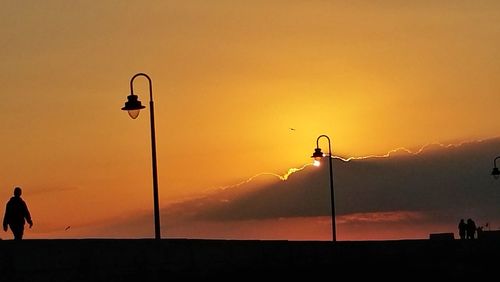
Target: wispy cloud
380, 217
36, 191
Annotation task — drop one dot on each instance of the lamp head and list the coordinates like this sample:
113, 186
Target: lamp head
133, 106
495, 173
317, 155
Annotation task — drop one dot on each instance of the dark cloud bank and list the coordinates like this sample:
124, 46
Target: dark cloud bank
444, 181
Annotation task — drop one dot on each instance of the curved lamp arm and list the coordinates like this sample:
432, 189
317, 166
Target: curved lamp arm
329, 143
150, 84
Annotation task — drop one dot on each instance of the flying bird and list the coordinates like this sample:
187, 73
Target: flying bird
67, 228
292, 128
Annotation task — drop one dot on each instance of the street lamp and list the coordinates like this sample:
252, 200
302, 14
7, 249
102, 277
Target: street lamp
317, 156
133, 106
495, 172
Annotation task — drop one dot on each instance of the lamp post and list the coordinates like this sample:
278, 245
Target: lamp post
495, 172
133, 106
318, 155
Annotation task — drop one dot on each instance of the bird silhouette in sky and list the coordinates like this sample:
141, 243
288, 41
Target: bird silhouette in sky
67, 228
291, 128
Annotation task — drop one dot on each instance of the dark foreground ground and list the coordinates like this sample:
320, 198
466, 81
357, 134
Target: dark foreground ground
178, 259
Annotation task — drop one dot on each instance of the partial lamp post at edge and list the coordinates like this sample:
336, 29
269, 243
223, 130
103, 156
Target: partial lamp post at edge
495, 173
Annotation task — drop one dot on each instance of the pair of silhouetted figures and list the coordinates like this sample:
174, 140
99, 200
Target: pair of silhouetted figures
467, 230
16, 215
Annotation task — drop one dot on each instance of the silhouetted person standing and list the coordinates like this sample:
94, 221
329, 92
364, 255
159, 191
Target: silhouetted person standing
16, 212
471, 229
462, 227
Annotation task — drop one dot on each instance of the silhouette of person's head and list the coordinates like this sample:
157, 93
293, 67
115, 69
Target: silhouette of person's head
17, 192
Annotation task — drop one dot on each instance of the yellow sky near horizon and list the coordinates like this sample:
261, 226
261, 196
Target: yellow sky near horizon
229, 80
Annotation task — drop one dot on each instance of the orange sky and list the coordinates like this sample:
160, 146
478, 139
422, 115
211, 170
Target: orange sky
229, 80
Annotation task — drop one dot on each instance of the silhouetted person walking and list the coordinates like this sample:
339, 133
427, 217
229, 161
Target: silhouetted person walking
471, 229
462, 227
16, 212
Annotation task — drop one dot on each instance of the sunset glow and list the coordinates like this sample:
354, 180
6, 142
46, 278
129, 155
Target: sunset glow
235, 84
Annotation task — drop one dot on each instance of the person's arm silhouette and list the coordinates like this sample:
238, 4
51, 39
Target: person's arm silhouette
5, 219
27, 215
